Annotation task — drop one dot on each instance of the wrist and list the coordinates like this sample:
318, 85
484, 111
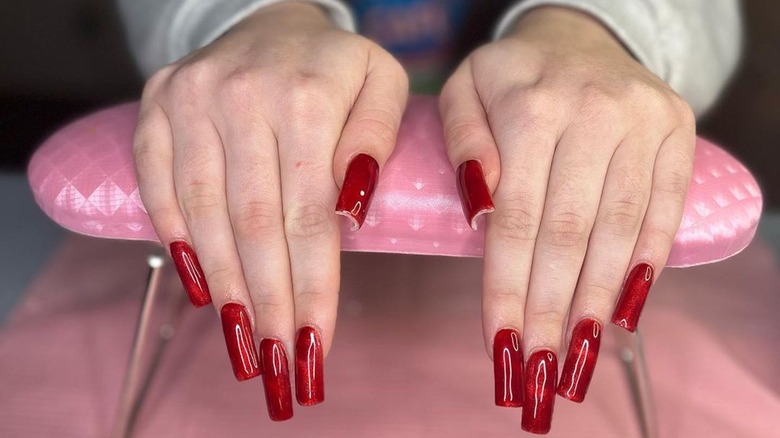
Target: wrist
291, 13
564, 25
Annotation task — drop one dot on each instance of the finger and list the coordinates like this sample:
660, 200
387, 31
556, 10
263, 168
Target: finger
199, 176
671, 176
307, 142
470, 144
623, 203
369, 137
153, 157
576, 181
526, 156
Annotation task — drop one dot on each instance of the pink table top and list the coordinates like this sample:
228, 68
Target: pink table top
83, 178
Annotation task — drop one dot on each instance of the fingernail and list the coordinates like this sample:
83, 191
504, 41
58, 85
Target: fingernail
191, 274
473, 190
541, 373
276, 380
359, 183
632, 299
240, 341
309, 380
580, 360
508, 368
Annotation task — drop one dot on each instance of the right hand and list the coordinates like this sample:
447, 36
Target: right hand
240, 150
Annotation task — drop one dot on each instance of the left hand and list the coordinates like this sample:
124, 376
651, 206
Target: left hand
587, 155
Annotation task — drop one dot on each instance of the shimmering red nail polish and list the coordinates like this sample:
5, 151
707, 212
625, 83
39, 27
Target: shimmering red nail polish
508, 368
276, 380
580, 360
632, 299
240, 341
309, 380
541, 374
473, 190
359, 184
191, 274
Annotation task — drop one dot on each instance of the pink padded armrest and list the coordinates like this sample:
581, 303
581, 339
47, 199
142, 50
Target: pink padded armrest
83, 178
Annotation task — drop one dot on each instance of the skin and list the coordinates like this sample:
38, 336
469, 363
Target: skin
588, 155
242, 146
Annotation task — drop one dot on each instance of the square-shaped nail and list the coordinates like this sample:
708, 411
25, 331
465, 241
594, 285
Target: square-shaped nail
508, 368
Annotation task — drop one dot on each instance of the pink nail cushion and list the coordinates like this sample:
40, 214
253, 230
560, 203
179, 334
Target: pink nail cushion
83, 178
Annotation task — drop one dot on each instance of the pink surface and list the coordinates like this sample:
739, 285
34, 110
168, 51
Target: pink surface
408, 358
83, 178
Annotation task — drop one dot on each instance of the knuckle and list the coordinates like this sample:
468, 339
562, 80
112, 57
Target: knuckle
199, 199
566, 230
675, 185
268, 303
256, 220
662, 235
192, 75
515, 222
600, 103
463, 132
382, 125
601, 290
220, 277
239, 86
547, 314
623, 215
308, 221
157, 81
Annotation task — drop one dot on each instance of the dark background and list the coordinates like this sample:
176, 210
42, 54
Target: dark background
62, 58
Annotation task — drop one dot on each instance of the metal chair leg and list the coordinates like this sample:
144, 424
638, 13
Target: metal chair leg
632, 355
147, 347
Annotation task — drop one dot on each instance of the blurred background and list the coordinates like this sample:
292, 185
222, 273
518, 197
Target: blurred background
60, 59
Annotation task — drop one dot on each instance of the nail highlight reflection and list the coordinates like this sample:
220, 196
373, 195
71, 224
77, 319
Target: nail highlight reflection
358, 189
632, 299
540, 382
190, 272
508, 368
580, 360
309, 379
474, 194
276, 380
240, 341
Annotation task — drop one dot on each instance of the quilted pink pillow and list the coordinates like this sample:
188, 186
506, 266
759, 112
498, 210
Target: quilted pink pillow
83, 178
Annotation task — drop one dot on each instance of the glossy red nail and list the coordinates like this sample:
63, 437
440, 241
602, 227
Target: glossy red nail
309, 380
580, 360
508, 368
240, 341
191, 274
541, 374
632, 299
359, 184
473, 190
276, 380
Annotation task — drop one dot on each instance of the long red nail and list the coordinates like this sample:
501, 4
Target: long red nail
276, 380
240, 341
309, 380
580, 360
541, 375
191, 274
508, 368
359, 184
473, 190
632, 299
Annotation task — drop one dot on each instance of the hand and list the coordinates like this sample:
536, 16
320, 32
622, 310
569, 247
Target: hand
588, 157
240, 150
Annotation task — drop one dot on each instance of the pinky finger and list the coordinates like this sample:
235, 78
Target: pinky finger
673, 167
153, 157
